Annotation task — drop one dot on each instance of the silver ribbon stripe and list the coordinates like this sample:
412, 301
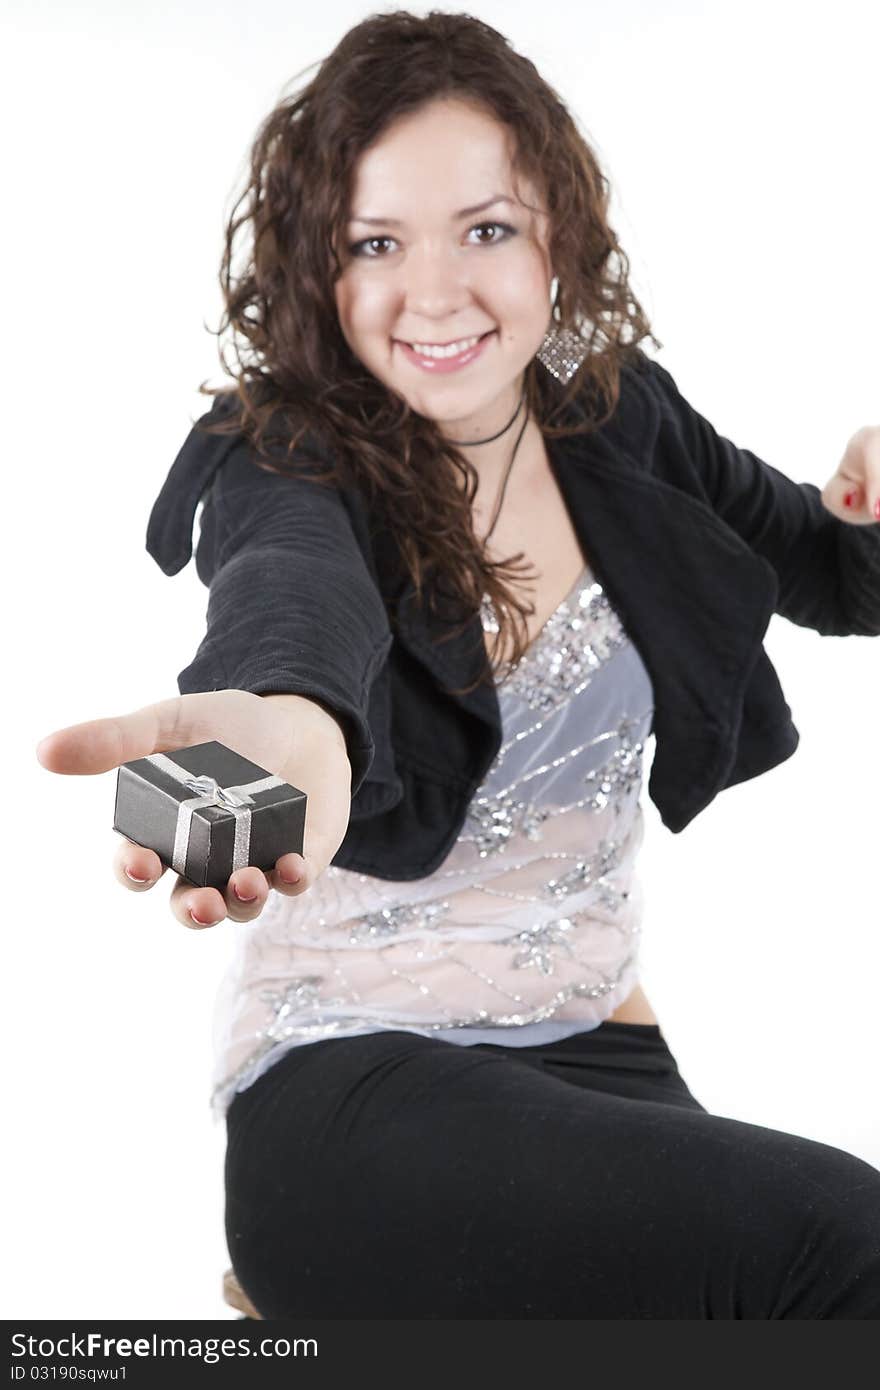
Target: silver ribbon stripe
208, 791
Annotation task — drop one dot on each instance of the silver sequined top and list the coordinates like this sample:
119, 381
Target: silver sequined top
529, 929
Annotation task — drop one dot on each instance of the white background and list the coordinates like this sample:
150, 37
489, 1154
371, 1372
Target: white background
741, 141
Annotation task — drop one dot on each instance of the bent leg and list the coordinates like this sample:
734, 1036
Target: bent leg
393, 1175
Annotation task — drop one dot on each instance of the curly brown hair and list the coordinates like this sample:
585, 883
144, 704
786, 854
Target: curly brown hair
294, 367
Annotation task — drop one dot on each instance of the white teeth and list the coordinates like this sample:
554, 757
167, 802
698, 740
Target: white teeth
450, 350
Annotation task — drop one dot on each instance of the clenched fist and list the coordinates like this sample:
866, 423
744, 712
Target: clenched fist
853, 493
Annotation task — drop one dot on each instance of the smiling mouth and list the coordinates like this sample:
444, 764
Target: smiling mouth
451, 349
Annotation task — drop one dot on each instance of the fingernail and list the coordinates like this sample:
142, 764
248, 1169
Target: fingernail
849, 499
877, 509
134, 878
241, 898
199, 921
295, 871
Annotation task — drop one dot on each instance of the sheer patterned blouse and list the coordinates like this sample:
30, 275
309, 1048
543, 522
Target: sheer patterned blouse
528, 931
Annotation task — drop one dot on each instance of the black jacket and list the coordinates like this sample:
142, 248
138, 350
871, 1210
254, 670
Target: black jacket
696, 542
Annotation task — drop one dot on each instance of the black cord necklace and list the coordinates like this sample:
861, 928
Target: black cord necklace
506, 476
488, 616
470, 443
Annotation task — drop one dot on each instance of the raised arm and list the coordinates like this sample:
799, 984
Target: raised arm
828, 569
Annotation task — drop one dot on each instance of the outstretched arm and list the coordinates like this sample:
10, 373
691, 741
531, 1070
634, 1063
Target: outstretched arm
292, 606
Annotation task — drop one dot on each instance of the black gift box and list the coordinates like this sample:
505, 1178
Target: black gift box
208, 811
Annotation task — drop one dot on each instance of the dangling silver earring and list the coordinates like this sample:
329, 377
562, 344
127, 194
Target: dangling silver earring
562, 350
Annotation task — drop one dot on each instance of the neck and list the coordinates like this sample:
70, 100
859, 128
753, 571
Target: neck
487, 438
525, 475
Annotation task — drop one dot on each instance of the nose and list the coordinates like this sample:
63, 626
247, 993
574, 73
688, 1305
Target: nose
436, 285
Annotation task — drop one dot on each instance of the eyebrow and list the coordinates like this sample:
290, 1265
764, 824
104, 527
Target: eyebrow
465, 212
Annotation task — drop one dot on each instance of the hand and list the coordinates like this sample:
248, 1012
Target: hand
289, 736
857, 479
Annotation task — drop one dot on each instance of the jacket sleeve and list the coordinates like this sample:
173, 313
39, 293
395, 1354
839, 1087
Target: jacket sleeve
828, 570
292, 605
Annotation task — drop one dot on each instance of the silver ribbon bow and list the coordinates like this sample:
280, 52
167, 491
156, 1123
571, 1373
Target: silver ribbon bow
209, 792
210, 788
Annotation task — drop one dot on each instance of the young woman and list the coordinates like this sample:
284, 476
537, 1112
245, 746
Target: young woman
454, 524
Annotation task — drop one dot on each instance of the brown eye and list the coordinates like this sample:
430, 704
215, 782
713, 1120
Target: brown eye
357, 247
503, 227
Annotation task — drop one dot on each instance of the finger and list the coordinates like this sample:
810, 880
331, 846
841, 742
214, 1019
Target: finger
853, 496
293, 874
842, 495
98, 745
136, 867
246, 894
848, 499
859, 503
195, 907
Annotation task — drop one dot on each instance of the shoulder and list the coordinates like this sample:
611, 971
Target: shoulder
652, 436
645, 402
648, 390
654, 421
226, 469
238, 455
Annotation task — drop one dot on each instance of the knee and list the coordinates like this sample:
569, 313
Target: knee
834, 1265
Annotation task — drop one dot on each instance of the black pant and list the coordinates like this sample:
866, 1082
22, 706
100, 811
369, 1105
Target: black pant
397, 1176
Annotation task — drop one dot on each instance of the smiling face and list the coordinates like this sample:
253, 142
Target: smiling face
445, 290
